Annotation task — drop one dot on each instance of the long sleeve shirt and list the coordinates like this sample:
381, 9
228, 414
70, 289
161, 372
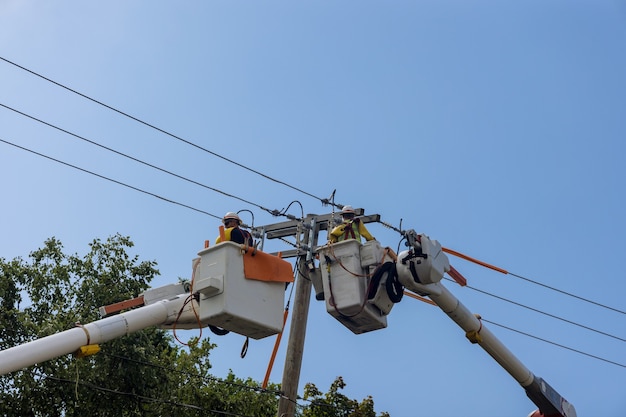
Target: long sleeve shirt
352, 229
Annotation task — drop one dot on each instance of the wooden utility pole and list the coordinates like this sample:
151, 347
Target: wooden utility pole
295, 347
307, 233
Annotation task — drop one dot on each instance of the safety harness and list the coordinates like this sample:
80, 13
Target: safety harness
349, 232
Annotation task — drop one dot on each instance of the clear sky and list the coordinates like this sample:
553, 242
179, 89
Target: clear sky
495, 127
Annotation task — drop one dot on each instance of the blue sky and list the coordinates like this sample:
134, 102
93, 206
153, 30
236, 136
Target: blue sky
494, 127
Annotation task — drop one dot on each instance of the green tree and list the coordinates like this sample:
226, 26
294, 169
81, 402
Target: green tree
146, 373
143, 374
335, 404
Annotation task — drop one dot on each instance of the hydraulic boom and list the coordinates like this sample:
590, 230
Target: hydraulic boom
420, 270
100, 331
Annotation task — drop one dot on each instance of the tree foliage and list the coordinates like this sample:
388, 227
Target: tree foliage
143, 374
335, 404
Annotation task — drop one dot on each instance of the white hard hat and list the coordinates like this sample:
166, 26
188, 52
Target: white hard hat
347, 209
231, 215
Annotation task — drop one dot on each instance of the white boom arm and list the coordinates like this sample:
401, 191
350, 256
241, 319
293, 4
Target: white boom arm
420, 270
100, 331
226, 297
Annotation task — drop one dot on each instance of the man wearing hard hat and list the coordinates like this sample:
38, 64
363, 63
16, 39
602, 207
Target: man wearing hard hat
232, 232
350, 228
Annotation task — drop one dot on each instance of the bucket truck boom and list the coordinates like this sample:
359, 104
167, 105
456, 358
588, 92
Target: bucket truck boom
232, 289
361, 300
100, 331
420, 269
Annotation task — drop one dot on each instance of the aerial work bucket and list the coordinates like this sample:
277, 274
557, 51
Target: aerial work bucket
346, 278
241, 290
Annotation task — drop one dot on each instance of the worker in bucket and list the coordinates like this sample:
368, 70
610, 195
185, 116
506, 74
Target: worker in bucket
232, 232
351, 227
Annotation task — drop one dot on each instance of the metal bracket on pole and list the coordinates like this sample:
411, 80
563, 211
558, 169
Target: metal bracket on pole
321, 222
311, 243
306, 232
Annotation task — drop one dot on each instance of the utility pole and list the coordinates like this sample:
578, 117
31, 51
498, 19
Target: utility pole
295, 346
307, 232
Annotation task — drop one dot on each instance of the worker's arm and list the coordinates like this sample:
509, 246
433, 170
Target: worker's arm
337, 231
240, 236
365, 233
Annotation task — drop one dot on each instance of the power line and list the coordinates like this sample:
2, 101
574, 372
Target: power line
215, 379
554, 343
110, 179
209, 378
273, 212
171, 402
505, 272
548, 341
546, 314
140, 397
280, 182
218, 217
324, 201
569, 294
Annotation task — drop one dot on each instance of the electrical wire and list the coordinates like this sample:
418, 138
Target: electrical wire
141, 397
111, 180
189, 374
204, 212
283, 212
504, 271
180, 404
540, 311
555, 344
546, 314
278, 394
189, 300
273, 212
569, 294
324, 201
